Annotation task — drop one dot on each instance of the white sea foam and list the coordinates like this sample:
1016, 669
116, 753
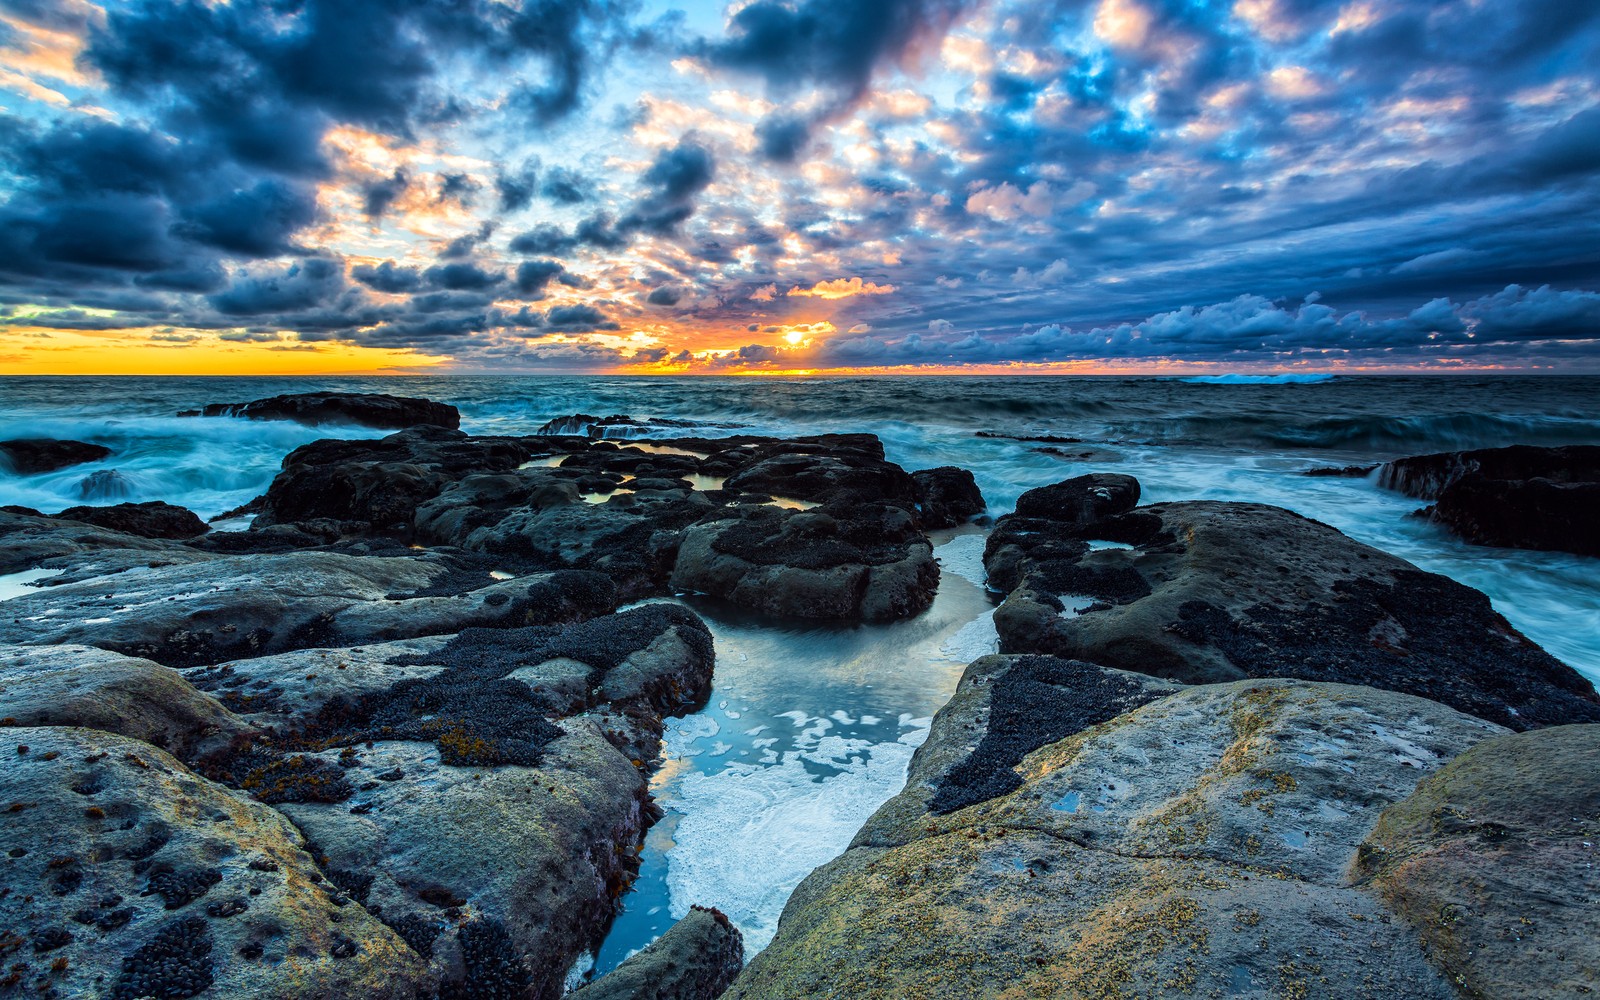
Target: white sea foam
749, 833
1238, 378
963, 556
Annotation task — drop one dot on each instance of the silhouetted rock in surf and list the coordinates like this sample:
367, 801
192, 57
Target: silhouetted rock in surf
153, 519
1519, 497
360, 408
29, 456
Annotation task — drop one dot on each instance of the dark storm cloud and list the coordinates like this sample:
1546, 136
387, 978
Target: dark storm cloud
836, 45
301, 285
516, 188
377, 196
566, 186
666, 295
534, 275
462, 276
388, 277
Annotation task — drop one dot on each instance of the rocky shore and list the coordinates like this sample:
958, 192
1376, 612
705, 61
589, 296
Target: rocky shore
396, 738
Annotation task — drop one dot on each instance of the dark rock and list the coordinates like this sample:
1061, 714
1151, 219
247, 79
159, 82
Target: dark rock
843, 473
844, 560
105, 484
29, 456
1519, 497
1427, 476
360, 408
948, 496
1082, 500
696, 959
377, 486
154, 519
1207, 591
1340, 472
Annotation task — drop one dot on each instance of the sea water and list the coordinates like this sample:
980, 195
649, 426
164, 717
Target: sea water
810, 727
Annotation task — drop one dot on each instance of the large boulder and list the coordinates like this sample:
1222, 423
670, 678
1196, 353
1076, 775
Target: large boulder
857, 561
154, 519
363, 409
128, 876
224, 607
96, 689
487, 791
696, 959
29, 456
377, 486
1209, 591
1195, 845
1082, 500
1492, 860
947, 496
1518, 497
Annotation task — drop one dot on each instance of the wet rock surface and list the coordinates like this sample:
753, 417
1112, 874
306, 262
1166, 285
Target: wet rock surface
153, 519
362, 409
92, 688
223, 607
1208, 591
696, 959
837, 561
1518, 497
1197, 844
947, 496
30, 456
127, 875
1491, 860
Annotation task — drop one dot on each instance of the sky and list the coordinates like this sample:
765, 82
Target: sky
782, 186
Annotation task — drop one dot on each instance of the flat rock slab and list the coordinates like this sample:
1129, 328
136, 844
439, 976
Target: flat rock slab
223, 607
1203, 592
1493, 860
1197, 845
126, 875
93, 688
360, 408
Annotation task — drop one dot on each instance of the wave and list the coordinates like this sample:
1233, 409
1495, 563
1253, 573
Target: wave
1236, 378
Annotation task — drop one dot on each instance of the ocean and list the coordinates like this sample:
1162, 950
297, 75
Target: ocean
810, 727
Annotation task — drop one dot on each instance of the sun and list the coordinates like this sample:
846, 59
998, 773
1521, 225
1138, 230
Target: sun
795, 336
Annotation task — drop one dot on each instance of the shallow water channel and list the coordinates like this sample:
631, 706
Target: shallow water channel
809, 728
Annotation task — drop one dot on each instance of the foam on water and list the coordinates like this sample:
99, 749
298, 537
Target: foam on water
1236, 378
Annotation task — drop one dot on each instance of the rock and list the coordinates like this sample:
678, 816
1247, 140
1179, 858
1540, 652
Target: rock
1491, 860
1340, 472
154, 519
449, 802
1196, 845
287, 688
1427, 476
1208, 591
857, 561
360, 408
106, 484
30, 456
839, 472
1082, 500
32, 540
618, 425
235, 606
695, 959
1518, 497
130, 876
94, 689
948, 496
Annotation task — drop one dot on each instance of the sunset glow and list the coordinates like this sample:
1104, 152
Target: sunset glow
798, 185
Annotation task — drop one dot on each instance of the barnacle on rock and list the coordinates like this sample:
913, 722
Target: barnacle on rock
493, 969
174, 964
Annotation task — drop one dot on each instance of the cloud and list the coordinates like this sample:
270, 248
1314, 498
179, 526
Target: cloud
841, 288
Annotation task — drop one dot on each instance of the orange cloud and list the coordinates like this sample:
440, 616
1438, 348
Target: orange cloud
841, 288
